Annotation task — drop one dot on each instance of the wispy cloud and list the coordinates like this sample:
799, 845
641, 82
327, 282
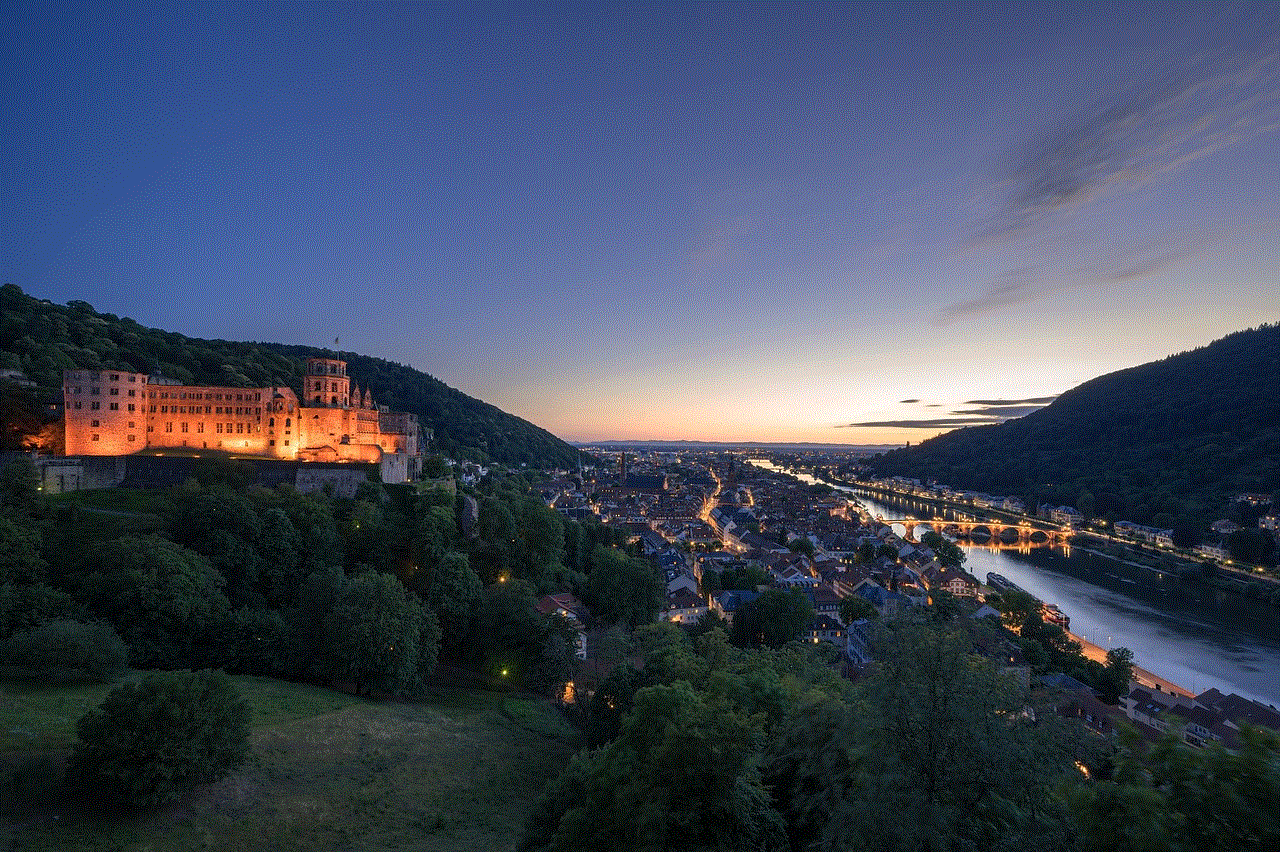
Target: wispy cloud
908, 401
715, 247
1138, 136
1035, 400
1014, 288
940, 423
1000, 412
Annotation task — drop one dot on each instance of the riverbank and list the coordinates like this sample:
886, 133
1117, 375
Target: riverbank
1141, 675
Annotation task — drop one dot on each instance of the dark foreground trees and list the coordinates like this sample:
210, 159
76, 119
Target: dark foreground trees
153, 741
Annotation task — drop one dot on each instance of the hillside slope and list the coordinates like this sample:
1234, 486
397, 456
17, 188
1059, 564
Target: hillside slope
1168, 438
42, 339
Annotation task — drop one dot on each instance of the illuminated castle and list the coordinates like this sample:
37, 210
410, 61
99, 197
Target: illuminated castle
110, 413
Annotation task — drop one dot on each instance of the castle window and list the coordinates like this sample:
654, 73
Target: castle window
132, 406
335, 400
168, 427
93, 422
164, 409
114, 391
132, 379
94, 391
115, 377
93, 437
239, 428
130, 424
150, 428
199, 428
153, 409
131, 437
219, 428
286, 442
271, 422
288, 421
208, 409
133, 391
228, 428
219, 410
93, 406
318, 399
77, 403
184, 427
271, 443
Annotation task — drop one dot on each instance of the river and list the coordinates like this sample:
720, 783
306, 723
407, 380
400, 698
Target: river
1191, 634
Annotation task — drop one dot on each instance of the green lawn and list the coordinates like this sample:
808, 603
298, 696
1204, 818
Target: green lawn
455, 769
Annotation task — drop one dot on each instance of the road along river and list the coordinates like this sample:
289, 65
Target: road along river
1193, 635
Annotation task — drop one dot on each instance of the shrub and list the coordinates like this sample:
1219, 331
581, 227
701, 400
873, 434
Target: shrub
62, 651
153, 741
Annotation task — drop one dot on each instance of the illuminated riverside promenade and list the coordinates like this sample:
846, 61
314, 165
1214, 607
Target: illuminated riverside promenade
1195, 636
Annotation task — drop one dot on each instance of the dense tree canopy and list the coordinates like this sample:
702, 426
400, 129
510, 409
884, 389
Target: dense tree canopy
1170, 438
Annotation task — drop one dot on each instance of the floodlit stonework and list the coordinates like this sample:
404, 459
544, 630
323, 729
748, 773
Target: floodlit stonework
111, 412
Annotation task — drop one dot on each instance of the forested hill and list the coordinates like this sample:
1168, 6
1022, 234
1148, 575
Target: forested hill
42, 339
1170, 438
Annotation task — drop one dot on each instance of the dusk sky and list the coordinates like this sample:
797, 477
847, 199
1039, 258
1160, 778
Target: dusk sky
652, 222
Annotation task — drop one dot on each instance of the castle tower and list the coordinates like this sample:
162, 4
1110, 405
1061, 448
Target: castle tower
326, 383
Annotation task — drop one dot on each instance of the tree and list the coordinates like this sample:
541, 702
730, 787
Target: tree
452, 591
866, 553
20, 560
775, 618
153, 741
622, 588
162, 598
1168, 796
278, 545
510, 631
642, 791
19, 488
855, 608
1017, 608
377, 636
61, 651
935, 733
1116, 675
801, 545
947, 552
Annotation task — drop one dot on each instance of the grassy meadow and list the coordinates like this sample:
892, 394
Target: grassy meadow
454, 769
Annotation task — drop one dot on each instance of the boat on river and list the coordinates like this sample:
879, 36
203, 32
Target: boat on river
1049, 613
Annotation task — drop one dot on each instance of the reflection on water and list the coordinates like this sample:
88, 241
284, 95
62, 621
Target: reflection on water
1191, 634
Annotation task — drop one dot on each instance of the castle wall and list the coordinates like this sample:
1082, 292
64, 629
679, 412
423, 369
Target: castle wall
111, 413
105, 412
207, 417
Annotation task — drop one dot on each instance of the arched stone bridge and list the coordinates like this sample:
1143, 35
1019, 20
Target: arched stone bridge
1026, 533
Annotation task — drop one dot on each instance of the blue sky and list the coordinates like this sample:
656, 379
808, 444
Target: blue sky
708, 222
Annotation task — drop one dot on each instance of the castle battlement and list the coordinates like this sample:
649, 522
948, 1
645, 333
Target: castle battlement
112, 412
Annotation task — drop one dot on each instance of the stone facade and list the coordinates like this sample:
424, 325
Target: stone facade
111, 413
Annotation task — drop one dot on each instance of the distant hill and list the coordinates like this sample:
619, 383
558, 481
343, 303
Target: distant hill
42, 339
1172, 438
